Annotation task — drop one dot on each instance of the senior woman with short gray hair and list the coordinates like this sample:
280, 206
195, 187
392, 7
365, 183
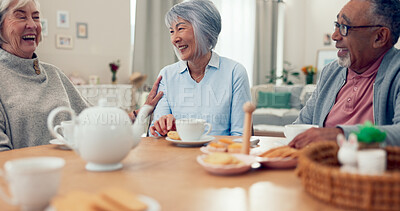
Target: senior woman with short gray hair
30, 89
202, 85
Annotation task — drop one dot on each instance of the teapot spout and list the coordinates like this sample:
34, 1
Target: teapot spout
140, 125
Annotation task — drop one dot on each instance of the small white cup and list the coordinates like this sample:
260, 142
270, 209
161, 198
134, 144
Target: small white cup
67, 129
32, 181
192, 129
293, 130
371, 161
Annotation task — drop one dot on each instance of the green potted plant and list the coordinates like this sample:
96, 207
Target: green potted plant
369, 136
286, 73
371, 157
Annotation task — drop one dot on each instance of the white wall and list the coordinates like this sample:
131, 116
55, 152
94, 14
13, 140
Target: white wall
306, 22
108, 40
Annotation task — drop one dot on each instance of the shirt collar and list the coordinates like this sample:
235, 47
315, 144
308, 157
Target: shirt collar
214, 62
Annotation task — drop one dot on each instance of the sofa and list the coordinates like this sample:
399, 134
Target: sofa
278, 105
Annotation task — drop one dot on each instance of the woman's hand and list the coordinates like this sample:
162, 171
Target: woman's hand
163, 125
152, 98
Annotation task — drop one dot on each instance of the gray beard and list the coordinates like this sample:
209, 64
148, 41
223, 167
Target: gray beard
345, 61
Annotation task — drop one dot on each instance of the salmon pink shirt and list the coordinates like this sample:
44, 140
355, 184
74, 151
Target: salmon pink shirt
354, 102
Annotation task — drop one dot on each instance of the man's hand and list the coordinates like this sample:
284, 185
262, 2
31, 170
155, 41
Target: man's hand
163, 125
152, 98
313, 135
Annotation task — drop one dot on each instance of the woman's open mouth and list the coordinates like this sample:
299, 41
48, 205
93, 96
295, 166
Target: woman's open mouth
29, 37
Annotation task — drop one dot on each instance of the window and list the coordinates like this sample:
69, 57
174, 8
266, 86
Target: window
236, 40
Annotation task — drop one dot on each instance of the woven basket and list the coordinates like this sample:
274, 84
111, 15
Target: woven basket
319, 170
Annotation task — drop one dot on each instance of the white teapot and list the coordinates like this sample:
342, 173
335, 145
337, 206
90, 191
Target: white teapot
103, 136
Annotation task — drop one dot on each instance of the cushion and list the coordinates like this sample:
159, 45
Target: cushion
273, 100
295, 91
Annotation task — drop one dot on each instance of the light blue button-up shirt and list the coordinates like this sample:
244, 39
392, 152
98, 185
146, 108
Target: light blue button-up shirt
218, 98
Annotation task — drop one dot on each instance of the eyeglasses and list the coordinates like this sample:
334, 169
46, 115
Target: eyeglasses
344, 29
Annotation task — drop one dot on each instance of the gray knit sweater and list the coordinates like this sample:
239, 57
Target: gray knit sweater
26, 98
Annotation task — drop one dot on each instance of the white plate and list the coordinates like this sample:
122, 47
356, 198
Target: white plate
253, 140
203, 140
228, 169
152, 204
60, 144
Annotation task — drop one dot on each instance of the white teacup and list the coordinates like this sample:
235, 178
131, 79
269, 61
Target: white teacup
293, 130
192, 129
32, 181
67, 129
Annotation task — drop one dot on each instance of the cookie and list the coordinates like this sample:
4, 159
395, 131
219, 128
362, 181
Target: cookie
108, 199
216, 147
235, 148
74, 200
283, 152
221, 158
121, 199
173, 135
225, 141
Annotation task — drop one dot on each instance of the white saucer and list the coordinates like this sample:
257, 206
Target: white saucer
59, 143
204, 139
103, 167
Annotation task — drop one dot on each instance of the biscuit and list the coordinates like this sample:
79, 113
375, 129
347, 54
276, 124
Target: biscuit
74, 200
221, 158
173, 135
216, 147
107, 199
284, 151
226, 141
235, 148
122, 199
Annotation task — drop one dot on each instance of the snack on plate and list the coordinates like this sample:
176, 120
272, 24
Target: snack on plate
173, 135
216, 147
74, 200
107, 199
121, 199
222, 158
225, 141
235, 148
282, 152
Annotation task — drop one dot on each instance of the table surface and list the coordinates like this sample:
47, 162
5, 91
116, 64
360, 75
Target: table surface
171, 175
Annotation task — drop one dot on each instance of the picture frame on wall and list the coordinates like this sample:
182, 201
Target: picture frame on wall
45, 27
324, 57
64, 41
62, 19
82, 30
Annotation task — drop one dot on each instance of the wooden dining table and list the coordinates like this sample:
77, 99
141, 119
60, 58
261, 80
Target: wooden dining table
170, 174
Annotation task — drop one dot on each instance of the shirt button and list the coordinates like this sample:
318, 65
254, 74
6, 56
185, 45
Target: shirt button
349, 99
355, 88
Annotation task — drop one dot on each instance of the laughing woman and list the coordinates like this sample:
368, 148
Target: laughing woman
30, 89
203, 85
